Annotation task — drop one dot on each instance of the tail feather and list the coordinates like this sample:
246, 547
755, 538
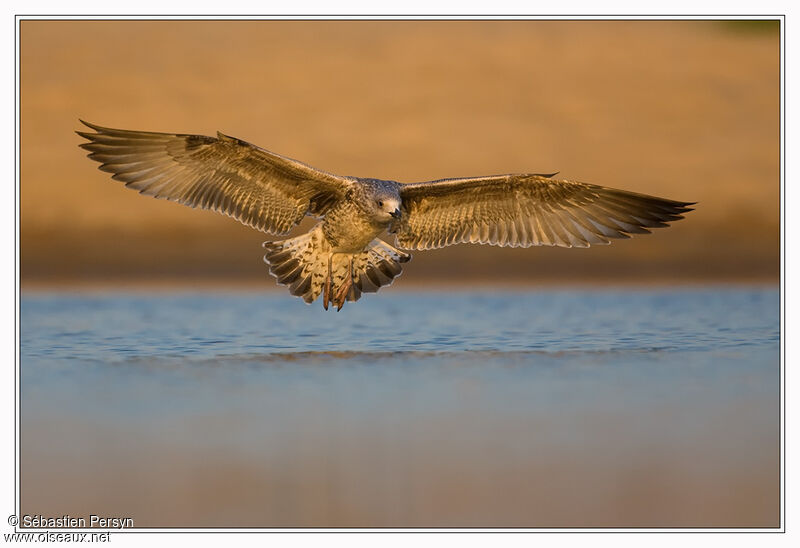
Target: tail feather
309, 267
378, 266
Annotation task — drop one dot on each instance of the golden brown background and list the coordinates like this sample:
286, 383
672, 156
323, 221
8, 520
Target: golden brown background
680, 109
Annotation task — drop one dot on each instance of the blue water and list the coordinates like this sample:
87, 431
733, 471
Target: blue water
381, 414
120, 328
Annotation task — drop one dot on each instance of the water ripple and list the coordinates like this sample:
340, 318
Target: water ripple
115, 328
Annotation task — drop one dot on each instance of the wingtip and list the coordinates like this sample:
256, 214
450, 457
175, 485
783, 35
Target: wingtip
96, 127
87, 135
89, 124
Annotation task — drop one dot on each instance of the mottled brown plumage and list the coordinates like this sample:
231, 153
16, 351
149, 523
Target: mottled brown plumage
524, 211
341, 257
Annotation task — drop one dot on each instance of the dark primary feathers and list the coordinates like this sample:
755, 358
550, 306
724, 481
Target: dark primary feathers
256, 187
525, 210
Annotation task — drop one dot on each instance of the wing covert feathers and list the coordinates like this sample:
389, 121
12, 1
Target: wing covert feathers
524, 211
260, 189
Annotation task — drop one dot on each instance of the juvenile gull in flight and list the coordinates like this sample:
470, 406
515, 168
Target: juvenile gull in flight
342, 256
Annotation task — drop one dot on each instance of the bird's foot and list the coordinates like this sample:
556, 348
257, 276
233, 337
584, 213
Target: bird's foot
342, 292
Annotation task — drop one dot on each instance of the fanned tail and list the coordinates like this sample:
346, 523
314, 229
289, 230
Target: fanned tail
309, 267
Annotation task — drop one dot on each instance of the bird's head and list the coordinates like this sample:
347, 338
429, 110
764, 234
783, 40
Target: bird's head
387, 207
383, 200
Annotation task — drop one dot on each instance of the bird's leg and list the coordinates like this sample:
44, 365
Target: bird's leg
341, 294
343, 290
352, 293
326, 292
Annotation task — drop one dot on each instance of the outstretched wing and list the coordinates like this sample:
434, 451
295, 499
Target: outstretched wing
254, 186
523, 211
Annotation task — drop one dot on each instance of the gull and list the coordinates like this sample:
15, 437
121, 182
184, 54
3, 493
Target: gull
342, 256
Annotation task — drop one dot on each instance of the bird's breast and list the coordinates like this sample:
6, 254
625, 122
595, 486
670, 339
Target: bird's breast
348, 229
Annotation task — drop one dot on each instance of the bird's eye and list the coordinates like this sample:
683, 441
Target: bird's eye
380, 203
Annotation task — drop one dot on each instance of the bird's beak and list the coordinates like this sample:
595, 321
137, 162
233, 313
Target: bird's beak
395, 213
